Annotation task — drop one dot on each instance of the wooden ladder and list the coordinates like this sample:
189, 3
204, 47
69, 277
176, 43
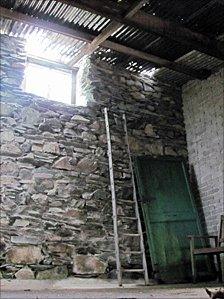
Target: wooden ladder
134, 201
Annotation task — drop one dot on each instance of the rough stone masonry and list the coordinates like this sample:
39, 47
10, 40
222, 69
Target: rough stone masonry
56, 214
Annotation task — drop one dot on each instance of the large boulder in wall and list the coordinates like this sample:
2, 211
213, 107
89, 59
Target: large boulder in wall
24, 255
88, 264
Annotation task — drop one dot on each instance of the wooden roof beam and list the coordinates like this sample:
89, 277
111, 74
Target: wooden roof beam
107, 32
76, 34
194, 15
158, 61
17, 16
153, 24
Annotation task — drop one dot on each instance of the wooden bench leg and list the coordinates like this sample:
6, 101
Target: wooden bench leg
193, 265
219, 267
193, 268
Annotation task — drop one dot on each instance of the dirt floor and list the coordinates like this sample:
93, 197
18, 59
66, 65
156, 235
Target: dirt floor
97, 289
107, 294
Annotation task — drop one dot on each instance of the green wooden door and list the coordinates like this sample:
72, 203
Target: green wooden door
170, 216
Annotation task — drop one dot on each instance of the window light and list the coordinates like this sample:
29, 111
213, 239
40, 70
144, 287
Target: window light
48, 82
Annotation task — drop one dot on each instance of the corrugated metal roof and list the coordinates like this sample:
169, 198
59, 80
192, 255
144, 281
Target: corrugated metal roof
194, 59
208, 20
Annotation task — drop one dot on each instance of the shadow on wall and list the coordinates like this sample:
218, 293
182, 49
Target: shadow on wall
197, 197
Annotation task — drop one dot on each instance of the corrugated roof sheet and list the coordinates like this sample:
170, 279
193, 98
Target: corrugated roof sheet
186, 12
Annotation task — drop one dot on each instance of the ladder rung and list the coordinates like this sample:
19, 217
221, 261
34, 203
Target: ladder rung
131, 235
125, 201
127, 217
132, 252
135, 252
133, 270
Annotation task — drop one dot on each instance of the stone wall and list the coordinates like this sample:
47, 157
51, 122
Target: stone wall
12, 61
203, 110
56, 217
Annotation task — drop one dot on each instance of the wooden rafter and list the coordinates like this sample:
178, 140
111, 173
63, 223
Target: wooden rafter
77, 34
198, 12
194, 15
53, 27
153, 24
158, 61
201, 10
108, 31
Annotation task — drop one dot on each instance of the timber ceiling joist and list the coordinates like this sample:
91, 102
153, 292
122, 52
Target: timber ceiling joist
154, 25
150, 32
107, 44
111, 28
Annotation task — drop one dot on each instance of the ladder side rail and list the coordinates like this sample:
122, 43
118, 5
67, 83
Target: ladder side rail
113, 196
136, 204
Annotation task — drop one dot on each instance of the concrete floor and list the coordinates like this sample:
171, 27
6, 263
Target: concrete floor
96, 289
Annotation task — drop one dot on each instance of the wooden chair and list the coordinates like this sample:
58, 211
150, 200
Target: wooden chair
216, 250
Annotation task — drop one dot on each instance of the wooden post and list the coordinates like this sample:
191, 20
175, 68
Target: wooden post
193, 268
74, 86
